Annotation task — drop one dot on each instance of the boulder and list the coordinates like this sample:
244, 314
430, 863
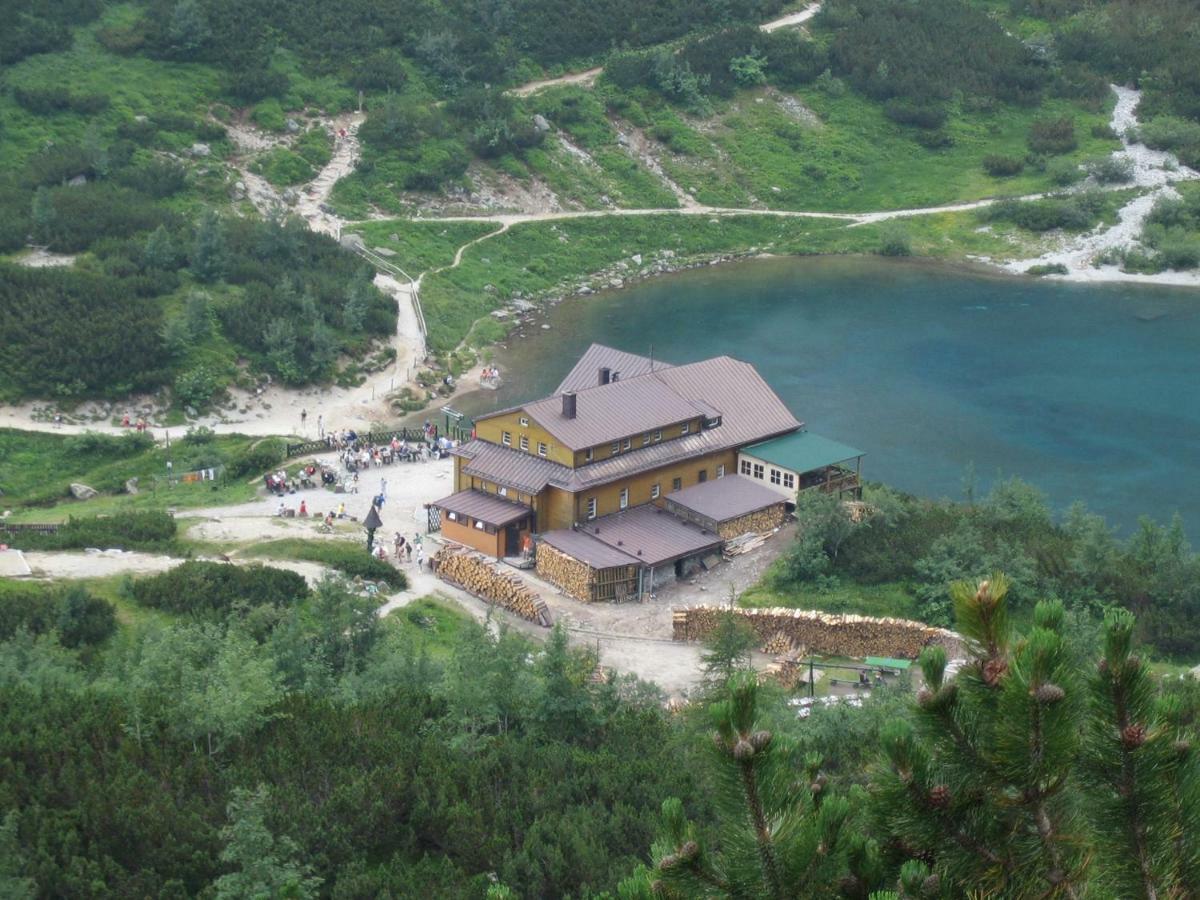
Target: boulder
384, 251
622, 139
540, 123
78, 181
200, 151
82, 491
131, 486
352, 241
292, 126
291, 196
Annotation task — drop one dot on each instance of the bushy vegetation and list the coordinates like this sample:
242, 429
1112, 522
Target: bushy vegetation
351, 559
1171, 235
77, 617
1073, 212
151, 530
208, 589
923, 545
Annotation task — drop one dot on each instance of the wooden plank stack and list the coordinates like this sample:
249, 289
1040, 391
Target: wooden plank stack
477, 575
744, 543
823, 633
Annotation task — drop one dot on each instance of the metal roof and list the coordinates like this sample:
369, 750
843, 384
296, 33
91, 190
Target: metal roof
802, 451
651, 535
486, 507
725, 498
586, 372
588, 550
524, 471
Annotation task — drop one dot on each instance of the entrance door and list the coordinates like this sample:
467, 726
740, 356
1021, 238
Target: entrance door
512, 540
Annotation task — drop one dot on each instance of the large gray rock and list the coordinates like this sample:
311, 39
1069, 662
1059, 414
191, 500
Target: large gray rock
292, 126
78, 181
82, 491
352, 241
131, 486
540, 123
200, 151
384, 251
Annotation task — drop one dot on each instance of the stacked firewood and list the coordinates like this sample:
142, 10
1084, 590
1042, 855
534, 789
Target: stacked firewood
573, 577
477, 575
823, 633
778, 644
762, 522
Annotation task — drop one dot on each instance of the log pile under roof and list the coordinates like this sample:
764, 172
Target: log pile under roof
477, 575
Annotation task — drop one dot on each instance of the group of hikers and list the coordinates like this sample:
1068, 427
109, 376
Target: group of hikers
405, 550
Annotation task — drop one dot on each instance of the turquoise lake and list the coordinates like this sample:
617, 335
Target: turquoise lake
1089, 392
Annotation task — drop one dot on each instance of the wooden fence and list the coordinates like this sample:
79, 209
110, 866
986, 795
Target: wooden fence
40, 527
370, 437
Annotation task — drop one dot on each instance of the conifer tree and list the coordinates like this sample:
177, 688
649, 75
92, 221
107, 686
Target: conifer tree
780, 834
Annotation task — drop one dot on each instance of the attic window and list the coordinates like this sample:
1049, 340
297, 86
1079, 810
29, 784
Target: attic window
685, 427
524, 420
714, 422
453, 516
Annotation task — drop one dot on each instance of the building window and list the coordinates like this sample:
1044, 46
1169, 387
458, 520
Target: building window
758, 471
657, 436
506, 439
541, 449
676, 483
524, 422
591, 507
655, 490
502, 491
703, 476
721, 470
628, 443
789, 480
685, 427
624, 498
745, 467
776, 478
645, 439
452, 516
479, 525
616, 448
525, 443
587, 455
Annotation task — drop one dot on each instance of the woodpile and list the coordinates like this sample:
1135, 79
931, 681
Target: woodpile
572, 577
823, 633
763, 521
477, 575
778, 644
788, 671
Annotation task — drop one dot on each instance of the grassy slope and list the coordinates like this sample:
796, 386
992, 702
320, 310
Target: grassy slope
433, 625
421, 246
36, 470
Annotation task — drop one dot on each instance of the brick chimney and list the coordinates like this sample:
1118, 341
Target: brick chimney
605, 374
569, 405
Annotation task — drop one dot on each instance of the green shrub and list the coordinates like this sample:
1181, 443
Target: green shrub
894, 241
80, 618
265, 455
284, 168
351, 559
1064, 172
196, 387
1048, 269
209, 588
269, 115
1053, 136
1111, 170
1002, 166
152, 530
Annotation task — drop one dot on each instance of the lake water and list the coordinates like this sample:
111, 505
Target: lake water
1089, 392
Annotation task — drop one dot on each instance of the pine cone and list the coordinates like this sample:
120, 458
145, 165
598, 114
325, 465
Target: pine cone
668, 862
760, 740
850, 886
689, 851
815, 788
924, 696
939, 796
1133, 736
1182, 747
993, 671
931, 886
1049, 693
743, 750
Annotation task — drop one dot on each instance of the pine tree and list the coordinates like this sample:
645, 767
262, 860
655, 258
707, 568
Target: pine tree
263, 865
727, 649
208, 257
357, 305
1018, 772
782, 834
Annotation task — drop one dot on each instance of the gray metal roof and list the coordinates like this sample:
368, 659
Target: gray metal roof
588, 549
651, 535
486, 507
725, 498
586, 372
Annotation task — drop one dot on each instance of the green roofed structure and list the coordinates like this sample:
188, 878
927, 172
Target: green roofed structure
803, 461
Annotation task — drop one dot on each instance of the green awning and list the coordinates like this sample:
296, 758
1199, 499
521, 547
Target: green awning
802, 451
886, 663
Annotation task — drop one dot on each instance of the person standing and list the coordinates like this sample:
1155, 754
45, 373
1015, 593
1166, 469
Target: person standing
320, 426
383, 488
303, 418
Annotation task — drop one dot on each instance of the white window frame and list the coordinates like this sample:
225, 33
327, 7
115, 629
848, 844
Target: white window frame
721, 470
506, 438
776, 476
588, 455
676, 484
646, 439
628, 444
616, 447
758, 471
590, 507
745, 468
655, 491
543, 450
789, 480
501, 491
525, 442
452, 516
685, 427
524, 420
624, 498
657, 436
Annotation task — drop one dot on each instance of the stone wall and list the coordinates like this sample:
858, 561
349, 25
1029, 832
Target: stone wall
823, 633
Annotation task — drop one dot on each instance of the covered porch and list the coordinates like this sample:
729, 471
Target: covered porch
485, 522
803, 461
